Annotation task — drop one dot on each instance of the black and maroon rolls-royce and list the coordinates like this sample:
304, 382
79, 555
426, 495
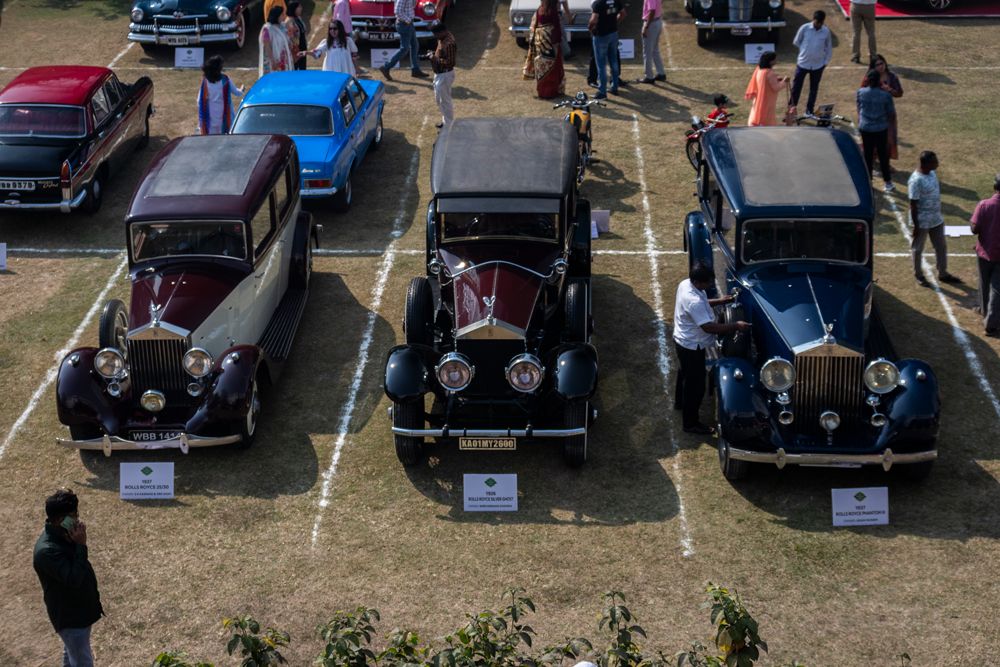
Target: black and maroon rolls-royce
498, 331
63, 131
220, 257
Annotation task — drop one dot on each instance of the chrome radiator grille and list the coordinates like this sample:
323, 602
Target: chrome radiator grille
740, 10
156, 364
828, 383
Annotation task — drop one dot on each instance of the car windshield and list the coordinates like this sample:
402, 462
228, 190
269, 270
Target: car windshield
291, 119
464, 226
831, 240
41, 121
177, 237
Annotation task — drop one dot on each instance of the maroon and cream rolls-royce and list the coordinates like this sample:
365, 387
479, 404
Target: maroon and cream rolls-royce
498, 331
220, 257
63, 130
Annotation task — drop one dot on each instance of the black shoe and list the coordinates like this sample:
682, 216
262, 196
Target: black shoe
660, 77
418, 74
856, 59
614, 91
949, 278
593, 84
699, 429
623, 83
646, 80
600, 96
439, 125
922, 281
993, 333
385, 73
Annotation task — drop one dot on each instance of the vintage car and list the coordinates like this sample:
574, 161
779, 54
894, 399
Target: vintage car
333, 118
498, 331
220, 256
63, 131
375, 20
739, 17
522, 11
191, 22
786, 221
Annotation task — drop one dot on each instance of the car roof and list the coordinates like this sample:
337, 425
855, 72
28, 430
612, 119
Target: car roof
312, 87
218, 176
58, 84
790, 172
505, 156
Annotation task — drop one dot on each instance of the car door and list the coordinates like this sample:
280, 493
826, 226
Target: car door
116, 124
367, 119
351, 135
267, 249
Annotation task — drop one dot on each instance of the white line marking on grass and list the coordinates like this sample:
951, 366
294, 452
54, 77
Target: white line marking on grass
50, 376
324, 20
63, 251
489, 33
663, 354
8, 5
347, 411
120, 54
960, 335
666, 39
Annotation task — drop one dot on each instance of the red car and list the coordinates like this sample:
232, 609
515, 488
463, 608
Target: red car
375, 20
63, 131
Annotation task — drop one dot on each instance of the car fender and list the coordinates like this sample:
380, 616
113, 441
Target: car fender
80, 394
914, 409
574, 371
742, 414
227, 397
406, 374
697, 239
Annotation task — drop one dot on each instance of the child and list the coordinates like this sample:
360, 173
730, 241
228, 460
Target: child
215, 98
720, 114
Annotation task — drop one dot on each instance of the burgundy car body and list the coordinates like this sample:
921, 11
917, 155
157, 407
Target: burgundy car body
63, 130
220, 258
375, 20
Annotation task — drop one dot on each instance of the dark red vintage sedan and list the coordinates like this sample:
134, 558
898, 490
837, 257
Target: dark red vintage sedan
498, 331
63, 131
375, 20
220, 257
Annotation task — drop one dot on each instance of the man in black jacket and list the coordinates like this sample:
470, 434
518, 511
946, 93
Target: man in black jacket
69, 584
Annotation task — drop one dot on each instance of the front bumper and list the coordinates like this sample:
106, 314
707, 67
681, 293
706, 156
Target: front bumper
736, 25
183, 36
781, 458
183, 442
489, 433
65, 206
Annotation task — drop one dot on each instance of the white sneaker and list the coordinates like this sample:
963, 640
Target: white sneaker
889, 187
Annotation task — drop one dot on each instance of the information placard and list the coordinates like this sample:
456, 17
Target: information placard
146, 481
3, 256
382, 56
861, 507
191, 57
490, 493
626, 49
753, 52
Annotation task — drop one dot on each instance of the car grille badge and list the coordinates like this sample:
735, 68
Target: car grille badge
155, 311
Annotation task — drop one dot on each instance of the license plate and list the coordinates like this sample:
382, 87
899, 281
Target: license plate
26, 186
742, 31
487, 444
154, 436
383, 36
174, 40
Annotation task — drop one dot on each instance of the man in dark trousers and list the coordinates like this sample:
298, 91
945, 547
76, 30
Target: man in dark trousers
695, 328
69, 584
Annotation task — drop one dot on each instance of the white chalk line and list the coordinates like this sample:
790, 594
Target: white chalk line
8, 5
50, 376
960, 335
120, 54
662, 353
489, 33
347, 411
670, 51
324, 19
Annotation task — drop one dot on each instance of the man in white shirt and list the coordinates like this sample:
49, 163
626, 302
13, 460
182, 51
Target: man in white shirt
695, 328
863, 14
815, 44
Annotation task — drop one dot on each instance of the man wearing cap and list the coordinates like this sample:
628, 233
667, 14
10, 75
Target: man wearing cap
986, 227
443, 63
69, 585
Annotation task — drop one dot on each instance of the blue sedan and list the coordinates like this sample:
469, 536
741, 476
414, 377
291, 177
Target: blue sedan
333, 118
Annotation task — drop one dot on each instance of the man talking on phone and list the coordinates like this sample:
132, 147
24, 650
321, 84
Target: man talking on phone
69, 585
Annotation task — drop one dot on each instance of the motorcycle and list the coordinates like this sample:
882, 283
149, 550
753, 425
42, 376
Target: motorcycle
579, 118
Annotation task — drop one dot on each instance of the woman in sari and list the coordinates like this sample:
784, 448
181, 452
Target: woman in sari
544, 63
275, 50
763, 91
888, 82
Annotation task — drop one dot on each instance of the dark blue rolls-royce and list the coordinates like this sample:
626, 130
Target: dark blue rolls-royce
785, 220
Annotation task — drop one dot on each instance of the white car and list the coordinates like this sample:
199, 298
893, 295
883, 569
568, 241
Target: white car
521, 12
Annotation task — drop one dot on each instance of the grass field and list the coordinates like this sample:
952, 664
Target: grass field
320, 516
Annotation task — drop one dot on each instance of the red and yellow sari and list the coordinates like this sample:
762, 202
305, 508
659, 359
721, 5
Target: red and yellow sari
544, 63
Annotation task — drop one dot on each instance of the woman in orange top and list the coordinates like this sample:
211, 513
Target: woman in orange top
763, 90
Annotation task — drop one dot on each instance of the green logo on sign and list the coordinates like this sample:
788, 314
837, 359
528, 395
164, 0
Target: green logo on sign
490, 482
146, 471
859, 496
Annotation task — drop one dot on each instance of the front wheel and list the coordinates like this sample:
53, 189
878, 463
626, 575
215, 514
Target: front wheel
576, 312
694, 151
377, 139
408, 415
241, 31
418, 317
246, 428
575, 447
113, 328
144, 139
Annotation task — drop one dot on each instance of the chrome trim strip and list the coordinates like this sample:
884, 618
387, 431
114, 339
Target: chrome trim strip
108, 444
193, 38
739, 24
65, 205
489, 433
781, 458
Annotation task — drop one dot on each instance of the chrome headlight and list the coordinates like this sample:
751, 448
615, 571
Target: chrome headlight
137, 15
774, 3
109, 363
454, 372
777, 374
829, 420
520, 19
525, 372
153, 400
881, 376
429, 9
706, 4
197, 362
223, 14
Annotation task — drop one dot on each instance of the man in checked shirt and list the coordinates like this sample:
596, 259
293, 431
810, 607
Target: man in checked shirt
443, 63
407, 40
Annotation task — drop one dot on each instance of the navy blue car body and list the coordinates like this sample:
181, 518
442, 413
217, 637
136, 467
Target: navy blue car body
785, 221
333, 118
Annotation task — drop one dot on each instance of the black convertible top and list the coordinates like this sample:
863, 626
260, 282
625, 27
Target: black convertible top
533, 157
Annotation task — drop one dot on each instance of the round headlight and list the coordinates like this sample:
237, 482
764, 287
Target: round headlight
774, 3
223, 14
197, 362
429, 9
109, 363
153, 400
454, 372
706, 4
524, 372
881, 376
777, 374
520, 19
137, 15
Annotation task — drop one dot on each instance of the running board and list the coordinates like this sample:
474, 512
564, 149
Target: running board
280, 332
